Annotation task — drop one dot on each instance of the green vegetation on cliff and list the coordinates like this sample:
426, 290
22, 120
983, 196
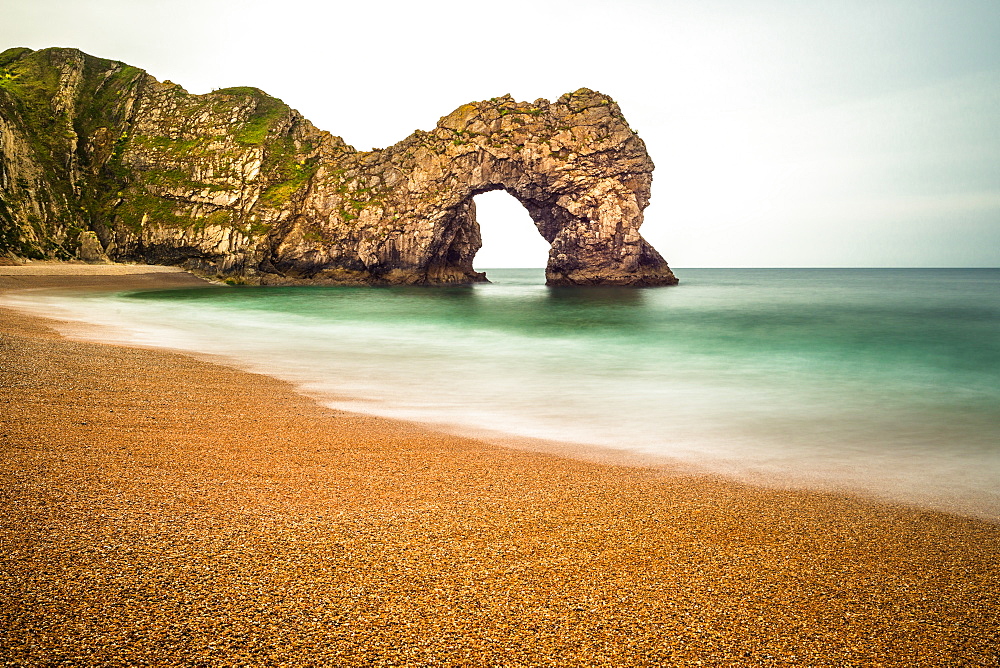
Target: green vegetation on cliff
102, 145
267, 112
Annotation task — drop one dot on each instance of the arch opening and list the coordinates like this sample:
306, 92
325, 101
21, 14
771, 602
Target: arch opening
510, 238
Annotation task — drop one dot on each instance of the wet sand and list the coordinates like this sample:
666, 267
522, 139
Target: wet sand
161, 510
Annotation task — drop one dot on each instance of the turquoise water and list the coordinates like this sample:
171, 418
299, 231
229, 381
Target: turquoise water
880, 381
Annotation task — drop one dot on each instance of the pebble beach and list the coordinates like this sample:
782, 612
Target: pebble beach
162, 509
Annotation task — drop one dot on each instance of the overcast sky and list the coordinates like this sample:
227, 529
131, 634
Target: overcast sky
785, 132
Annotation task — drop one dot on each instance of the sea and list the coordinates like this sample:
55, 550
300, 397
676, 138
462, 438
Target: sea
878, 382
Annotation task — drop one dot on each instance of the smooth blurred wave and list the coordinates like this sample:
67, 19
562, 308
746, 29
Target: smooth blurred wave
883, 381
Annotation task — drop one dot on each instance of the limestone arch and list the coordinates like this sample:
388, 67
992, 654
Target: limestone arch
591, 229
405, 214
268, 198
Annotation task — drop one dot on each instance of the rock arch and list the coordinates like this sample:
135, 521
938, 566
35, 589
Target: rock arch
582, 174
236, 184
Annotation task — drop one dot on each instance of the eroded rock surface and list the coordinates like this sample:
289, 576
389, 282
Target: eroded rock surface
235, 183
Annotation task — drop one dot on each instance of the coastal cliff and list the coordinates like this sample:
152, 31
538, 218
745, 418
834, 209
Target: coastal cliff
100, 161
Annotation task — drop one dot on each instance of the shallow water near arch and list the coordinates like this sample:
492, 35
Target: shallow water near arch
881, 381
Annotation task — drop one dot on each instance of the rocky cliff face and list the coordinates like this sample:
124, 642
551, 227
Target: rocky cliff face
99, 159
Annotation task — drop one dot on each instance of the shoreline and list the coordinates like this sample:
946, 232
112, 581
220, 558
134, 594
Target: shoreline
920, 490
160, 508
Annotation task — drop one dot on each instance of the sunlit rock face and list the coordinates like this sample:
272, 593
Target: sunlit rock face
236, 184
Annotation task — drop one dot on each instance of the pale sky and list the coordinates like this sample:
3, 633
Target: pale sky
786, 133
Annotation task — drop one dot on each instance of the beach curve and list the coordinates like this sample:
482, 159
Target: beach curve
162, 509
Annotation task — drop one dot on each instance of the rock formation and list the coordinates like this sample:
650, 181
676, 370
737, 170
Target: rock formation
236, 184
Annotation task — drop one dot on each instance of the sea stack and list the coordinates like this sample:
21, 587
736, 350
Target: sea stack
238, 185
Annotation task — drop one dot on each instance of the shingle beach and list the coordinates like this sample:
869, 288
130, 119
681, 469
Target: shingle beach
159, 509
